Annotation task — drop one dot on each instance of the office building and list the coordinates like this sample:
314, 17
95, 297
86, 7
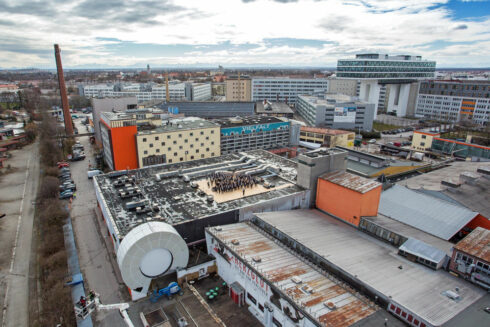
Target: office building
455, 101
208, 109
238, 88
109, 105
255, 132
458, 149
118, 134
342, 86
336, 111
178, 140
285, 89
198, 91
154, 212
324, 137
399, 72
422, 141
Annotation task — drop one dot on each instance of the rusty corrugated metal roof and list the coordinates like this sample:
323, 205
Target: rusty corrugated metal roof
278, 266
477, 244
351, 181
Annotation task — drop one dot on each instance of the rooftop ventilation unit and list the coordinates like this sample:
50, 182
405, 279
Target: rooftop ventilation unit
330, 305
296, 280
235, 242
257, 259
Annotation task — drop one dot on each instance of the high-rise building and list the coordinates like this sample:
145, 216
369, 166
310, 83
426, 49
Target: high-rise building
238, 88
197, 91
336, 111
285, 89
376, 70
455, 101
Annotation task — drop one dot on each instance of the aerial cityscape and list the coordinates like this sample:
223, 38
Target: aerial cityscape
277, 163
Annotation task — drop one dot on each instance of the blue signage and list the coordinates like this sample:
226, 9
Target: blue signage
254, 128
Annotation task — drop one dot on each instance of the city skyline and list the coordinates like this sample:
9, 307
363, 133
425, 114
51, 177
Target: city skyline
247, 33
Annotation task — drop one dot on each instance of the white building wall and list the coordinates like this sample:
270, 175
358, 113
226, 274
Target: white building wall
283, 89
234, 270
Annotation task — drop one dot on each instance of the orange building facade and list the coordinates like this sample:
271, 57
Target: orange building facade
347, 196
119, 144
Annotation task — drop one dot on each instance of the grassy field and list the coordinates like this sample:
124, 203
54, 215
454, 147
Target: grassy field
383, 127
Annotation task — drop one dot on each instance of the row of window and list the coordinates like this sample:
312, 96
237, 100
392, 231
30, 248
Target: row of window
406, 316
381, 63
169, 136
261, 308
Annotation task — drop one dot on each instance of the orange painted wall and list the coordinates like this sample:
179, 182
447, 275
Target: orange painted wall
479, 221
345, 203
124, 147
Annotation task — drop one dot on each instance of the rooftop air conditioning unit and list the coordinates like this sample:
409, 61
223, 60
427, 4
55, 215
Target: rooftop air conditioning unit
296, 280
235, 242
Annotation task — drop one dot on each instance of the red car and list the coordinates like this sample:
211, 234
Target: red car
62, 164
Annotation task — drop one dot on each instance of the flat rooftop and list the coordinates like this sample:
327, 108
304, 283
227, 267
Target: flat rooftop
279, 265
477, 244
164, 194
174, 125
351, 181
376, 264
246, 121
326, 131
272, 108
411, 232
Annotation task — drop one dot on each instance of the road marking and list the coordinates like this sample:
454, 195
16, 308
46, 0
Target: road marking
14, 249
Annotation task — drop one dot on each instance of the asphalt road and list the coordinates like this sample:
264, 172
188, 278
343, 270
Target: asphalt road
93, 253
18, 192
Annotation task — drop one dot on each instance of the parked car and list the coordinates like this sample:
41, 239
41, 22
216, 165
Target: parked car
398, 144
66, 180
71, 187
64, 176
66, 195
372, 141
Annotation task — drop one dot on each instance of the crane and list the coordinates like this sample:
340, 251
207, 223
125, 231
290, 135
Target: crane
85, 307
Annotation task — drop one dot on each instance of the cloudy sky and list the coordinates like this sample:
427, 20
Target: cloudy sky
166, 33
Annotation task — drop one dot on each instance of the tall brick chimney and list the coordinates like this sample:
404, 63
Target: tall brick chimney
64, 97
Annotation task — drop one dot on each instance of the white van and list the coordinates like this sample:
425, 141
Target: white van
92, 173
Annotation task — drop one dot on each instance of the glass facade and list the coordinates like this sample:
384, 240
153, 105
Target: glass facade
459, 150
385, 69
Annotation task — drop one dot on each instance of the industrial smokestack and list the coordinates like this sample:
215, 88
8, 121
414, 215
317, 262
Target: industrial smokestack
64, 97
167, 91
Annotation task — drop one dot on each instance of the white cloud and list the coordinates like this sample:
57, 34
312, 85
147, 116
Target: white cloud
391, 26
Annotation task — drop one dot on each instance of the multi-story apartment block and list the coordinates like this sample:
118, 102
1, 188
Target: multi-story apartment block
285, 89
238, 88
398, 72
455, 101
336, 111
250, 133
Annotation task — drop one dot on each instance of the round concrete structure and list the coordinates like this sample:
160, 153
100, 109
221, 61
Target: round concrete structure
148, 251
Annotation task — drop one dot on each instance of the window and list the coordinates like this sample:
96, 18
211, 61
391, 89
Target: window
180, 135
207, 149
398, 310
251, 298
207, 137
404, 314
181, 159
185, 141
410, 318
276, 323
180, 147
156, 138
175, 153
163, 143
192, 157
158, 150
175, 142
168, 136
202, 155
202, 144
212, 131
212, 154
212, 142
392, 307
422, 143
261, 307
144, 139
424, 136
197, 150
169, 160
151, 145
197, 139
145, 152
192, 145
202, 133
191, 134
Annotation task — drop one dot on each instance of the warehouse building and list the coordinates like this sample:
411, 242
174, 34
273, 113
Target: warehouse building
143, 208
281, 288
250, 133
336, 111
471, 258
205, 109
416, 295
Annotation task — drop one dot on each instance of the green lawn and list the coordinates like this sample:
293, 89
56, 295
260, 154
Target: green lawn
383, 127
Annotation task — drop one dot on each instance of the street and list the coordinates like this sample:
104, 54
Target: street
95, 259
18, 191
